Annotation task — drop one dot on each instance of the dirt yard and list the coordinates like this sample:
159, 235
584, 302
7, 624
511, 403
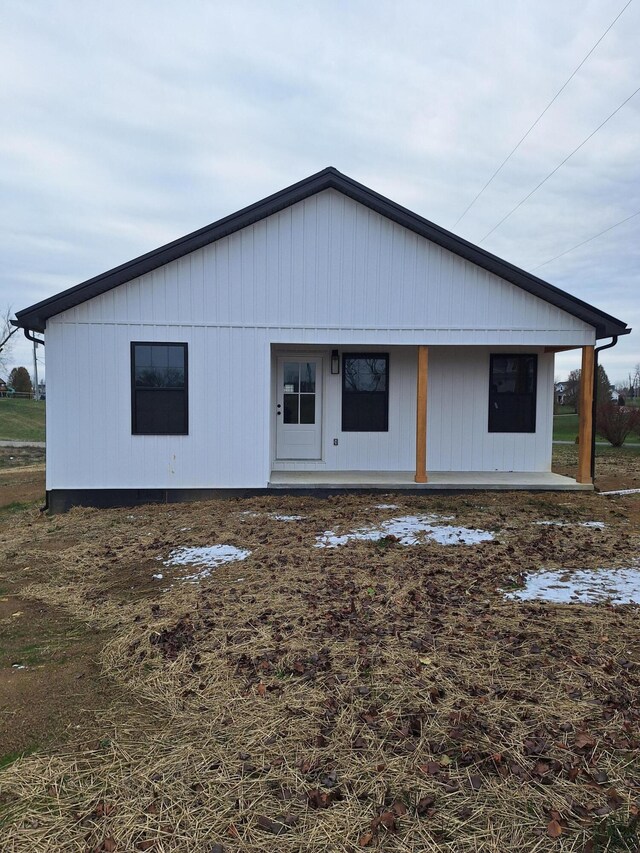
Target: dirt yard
21, 476
372, 694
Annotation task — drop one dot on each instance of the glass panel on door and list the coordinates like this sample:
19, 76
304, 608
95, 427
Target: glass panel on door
307, 377
290, 414
307, 408
290, 376
299, 392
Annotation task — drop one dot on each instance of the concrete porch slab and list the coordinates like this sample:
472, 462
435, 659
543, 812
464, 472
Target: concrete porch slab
438, 481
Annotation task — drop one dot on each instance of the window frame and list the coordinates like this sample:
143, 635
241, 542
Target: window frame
529, 428
376, 355
184, 391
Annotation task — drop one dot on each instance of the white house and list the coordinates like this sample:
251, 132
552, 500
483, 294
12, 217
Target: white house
322, 337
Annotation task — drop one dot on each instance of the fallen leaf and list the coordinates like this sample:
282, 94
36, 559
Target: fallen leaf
425, 805
614, 799
272, 826
365, 839
554, 830
476, 782
388, 820
321, 799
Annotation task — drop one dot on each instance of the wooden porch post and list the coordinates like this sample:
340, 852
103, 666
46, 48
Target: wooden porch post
421, 416
586, 425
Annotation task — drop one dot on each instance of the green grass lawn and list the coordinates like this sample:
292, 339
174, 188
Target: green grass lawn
21, 420
565, 428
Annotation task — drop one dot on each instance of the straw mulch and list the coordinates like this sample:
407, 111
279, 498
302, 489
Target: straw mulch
372, 696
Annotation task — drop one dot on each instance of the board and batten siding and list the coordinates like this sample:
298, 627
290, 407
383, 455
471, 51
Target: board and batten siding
325, 272
89, 438
458, 437
393, 450
328, 264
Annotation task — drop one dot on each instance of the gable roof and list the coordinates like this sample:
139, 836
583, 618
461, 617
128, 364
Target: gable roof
35, 317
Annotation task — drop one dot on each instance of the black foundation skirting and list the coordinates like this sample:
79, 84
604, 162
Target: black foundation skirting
62, 500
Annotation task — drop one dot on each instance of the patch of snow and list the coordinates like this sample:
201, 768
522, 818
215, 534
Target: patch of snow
157, 577
622, 492
586, 586
409, 530
18, 666
208, 557
598, 524
288, 517
182, 529
386, 506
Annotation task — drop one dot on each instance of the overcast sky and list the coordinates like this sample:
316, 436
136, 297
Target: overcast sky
128, 124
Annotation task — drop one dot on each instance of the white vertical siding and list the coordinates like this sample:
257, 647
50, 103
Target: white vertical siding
232, 418
329, 263
326, 272
90, 444
393, 450
458, 438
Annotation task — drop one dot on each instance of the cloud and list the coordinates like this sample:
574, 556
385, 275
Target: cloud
129, 124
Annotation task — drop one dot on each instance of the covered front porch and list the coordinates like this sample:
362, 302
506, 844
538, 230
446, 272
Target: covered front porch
437, 481
431, 423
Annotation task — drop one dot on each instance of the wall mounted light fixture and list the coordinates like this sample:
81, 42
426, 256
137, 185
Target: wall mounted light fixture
335, 362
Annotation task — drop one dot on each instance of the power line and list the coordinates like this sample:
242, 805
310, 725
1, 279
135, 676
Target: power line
553, 171
588, 240
559, 92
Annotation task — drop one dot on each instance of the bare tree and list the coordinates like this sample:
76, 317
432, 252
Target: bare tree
635, 380
572, 390
6, 339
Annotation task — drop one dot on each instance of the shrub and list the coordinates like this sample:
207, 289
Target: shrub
615, 422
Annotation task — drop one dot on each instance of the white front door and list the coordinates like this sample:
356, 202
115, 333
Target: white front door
299, 408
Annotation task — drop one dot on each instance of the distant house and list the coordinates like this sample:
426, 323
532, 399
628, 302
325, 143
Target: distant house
324, 337
566, 391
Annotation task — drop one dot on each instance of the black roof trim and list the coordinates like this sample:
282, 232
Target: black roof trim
35, 317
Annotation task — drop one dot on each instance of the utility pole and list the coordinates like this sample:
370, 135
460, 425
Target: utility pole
36, 395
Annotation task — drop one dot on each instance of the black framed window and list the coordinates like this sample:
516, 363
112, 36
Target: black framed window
159, 384
512, 392
365, 392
